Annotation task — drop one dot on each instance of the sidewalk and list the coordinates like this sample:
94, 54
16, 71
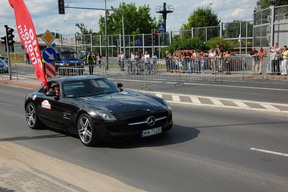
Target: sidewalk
25, 170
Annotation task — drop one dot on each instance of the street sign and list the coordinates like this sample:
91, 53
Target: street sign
139, 42
48, 37
161, 27
49, 55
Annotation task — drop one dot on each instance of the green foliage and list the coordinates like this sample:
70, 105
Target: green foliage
136, 21
83, 28
263, 4
227, 45
186, 44
201, 17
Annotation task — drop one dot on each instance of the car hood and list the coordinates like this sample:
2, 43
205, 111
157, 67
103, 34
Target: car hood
122, 102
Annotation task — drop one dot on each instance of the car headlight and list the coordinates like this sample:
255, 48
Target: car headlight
106, 115
167, 104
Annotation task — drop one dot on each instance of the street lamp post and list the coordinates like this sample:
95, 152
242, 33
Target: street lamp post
106, 40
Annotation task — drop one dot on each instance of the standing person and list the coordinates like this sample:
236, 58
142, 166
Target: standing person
121, 59
275, 59
99, 60
255, 61
147, 60
168, 60
227, 60
90, 61
187, 55
220, 53
212, 56
262, 54
202, 61
195, 58
154, 62
27, 58
285, 60
132, 61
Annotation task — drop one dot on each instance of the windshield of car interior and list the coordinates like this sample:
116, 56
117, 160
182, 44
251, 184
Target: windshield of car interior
88, 87
68, 56
2, 63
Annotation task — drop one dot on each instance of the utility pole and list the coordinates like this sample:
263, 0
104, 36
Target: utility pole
164, 10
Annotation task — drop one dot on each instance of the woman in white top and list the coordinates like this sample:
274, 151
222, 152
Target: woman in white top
212, 55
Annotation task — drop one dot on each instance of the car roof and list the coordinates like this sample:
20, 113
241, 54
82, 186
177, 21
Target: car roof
76, 78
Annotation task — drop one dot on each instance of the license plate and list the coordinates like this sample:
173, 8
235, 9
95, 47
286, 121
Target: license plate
150, 132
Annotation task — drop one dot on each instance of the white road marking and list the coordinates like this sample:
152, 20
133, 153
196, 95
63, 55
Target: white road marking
269, 152
216, 102
158, 94
176, 98
241, 104
270, 107
195, 100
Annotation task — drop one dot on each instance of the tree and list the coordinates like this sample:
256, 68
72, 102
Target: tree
136, 21
227, 45
185, 44
263, 4
201, 17
83, 29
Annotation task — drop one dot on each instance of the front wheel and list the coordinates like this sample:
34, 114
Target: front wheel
86, 130
31, 116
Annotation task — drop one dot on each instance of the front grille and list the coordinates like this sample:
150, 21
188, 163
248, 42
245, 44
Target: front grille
146, 121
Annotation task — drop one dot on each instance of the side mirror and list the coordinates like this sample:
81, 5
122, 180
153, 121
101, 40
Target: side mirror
120, 86
51, 93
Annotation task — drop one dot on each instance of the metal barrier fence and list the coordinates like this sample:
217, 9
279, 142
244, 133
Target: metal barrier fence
144, 75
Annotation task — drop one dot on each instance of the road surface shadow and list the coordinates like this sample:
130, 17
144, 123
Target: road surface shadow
6, 190
178, 134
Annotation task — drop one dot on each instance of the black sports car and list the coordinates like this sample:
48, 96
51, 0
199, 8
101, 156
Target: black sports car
96, 109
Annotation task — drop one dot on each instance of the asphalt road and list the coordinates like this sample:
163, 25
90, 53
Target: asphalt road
208, 149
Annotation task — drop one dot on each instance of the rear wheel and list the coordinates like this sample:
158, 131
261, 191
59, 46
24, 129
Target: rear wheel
31, 116
86, 130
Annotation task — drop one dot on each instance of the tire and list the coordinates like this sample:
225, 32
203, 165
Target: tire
31, 116
86, 130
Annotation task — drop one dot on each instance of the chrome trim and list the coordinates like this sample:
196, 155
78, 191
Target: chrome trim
146, 121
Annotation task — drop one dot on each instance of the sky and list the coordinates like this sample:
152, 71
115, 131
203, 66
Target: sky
45, 15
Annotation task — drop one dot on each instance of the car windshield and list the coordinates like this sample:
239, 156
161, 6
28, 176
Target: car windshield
68, 56
2, 63
88, 87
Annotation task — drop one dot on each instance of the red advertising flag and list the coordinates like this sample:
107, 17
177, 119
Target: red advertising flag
28, 37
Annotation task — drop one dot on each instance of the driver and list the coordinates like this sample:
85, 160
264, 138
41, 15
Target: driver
57, 90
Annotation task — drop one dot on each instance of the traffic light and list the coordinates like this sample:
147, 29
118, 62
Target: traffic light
10, 36
61, 7
3, 41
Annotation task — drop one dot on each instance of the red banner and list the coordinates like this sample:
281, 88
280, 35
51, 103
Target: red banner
28, 37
